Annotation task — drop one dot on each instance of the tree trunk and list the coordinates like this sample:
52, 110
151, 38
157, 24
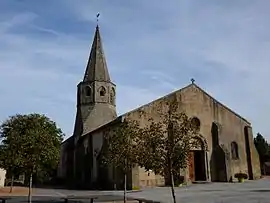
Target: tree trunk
11, 184
30, 189
172, 185
170, 152
125, 187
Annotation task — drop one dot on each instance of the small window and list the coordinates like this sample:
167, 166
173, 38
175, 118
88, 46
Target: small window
234, 150
113, 91
88, 91
112, 96
102, 91
195, 122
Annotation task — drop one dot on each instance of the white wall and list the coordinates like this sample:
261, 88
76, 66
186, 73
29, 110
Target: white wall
2, 177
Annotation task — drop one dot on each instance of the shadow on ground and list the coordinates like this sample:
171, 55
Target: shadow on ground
43, 199
263, 190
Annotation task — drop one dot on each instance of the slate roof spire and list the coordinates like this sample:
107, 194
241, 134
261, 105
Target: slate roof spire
96, 69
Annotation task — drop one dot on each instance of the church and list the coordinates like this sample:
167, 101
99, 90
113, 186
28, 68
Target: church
227, 137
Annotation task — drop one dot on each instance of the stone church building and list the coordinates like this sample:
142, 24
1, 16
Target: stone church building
226, 136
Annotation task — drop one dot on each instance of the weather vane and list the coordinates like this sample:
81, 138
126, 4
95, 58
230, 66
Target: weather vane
97, 16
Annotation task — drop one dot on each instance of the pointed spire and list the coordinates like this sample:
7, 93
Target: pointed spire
96, 69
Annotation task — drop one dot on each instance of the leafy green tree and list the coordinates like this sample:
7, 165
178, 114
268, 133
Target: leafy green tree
37, 141
164, 146
263, 148
10, 162
120, 148
10, 158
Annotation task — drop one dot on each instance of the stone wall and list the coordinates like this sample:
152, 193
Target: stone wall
66, 166
197, 103
142, 178
61, 172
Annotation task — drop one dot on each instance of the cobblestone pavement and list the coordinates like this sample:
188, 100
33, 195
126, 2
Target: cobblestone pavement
249, 192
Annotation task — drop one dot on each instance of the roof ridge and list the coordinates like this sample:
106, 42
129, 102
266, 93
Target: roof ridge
158, 99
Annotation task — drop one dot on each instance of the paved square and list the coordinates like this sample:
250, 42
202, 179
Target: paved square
248, 192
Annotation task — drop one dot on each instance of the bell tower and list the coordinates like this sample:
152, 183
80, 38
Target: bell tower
96, 94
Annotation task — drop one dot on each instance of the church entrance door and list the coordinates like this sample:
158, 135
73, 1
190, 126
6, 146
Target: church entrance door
191, 166
197, 166
199, 160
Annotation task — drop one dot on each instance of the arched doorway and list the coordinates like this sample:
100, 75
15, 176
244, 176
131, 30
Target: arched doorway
197, 161
248, 154
218, 159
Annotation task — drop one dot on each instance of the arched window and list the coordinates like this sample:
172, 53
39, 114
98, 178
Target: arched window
113, 91
234, 150
112, 96
198, 143
102, 91
215, 136
196, 123
88, 91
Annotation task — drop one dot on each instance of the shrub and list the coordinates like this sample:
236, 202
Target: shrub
241, 175
179, 181
135, 188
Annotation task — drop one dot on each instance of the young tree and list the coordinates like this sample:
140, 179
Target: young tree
120, 148
164, 146
38, 142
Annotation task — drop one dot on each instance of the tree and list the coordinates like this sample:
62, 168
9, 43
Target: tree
164, 146
120, 148
263, 148
10, 162
37, 141
10, 158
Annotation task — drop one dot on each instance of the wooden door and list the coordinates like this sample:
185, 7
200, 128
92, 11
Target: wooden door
191, 166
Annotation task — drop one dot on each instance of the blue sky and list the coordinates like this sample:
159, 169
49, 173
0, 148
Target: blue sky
152, 48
